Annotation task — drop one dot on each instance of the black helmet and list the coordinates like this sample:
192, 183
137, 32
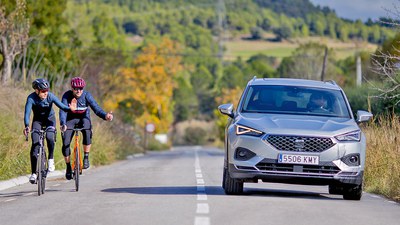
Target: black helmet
40, 84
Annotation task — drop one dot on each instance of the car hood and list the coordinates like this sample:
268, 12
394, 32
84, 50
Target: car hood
297, 124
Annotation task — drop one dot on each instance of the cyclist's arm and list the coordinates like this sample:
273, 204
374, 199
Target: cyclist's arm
58, 103
95, 107
28, 109
62, 113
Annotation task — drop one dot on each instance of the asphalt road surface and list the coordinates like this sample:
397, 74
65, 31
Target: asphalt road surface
183, 186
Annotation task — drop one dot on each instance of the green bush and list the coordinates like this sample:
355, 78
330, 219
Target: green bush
195, 136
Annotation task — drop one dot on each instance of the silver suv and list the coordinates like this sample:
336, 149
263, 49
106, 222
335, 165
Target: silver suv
294, 131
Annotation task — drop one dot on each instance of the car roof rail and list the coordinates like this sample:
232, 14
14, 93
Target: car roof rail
252, 80
331, 81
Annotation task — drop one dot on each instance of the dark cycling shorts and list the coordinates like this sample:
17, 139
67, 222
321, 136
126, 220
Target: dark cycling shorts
84, 123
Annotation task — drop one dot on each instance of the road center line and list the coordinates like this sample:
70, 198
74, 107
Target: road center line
201, 197
202, 205
201, 220
202, 208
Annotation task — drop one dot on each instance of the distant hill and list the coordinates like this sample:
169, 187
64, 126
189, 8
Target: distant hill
285, 18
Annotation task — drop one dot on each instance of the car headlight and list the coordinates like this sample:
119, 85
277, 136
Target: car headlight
242, 130
351, 136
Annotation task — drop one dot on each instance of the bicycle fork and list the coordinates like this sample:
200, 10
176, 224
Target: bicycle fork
77, 151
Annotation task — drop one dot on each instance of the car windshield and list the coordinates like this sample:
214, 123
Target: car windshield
295, 100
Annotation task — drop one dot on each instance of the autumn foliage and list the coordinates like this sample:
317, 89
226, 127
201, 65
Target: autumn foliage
145, 90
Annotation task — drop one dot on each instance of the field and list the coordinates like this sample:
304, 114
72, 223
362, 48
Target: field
241, 47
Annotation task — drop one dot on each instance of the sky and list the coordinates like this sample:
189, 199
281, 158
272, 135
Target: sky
362, 9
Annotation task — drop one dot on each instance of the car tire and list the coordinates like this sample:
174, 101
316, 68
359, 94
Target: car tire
335, 190
352, 192
231, 186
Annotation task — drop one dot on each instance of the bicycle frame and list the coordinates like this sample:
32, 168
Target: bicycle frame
76, 162
41, 162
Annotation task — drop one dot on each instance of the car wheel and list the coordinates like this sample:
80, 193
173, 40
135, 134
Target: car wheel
335, 189
352, 192
231, 186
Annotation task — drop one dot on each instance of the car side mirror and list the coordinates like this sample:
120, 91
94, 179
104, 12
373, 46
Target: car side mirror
226, 109
363, 116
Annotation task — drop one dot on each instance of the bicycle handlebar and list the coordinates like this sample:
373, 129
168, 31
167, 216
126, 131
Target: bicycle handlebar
40, 132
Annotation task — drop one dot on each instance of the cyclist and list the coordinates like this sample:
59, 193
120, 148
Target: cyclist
40, 102
79, 118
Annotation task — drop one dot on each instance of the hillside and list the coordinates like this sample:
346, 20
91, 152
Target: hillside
284, 18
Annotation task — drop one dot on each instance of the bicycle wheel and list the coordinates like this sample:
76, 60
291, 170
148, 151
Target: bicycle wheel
39, 171
76, 168
44, 171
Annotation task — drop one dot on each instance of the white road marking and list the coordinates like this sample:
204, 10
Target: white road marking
200, 181
201, 220
55, 185
201, 197
9, 200
27, 194
203, 207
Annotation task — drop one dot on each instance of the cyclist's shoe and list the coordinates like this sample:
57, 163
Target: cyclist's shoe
86, 163
51, 165
32, 178
68, 174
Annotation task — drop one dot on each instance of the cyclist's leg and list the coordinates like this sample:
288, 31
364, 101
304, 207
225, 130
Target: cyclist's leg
66, 150
34, 148
67, 138
50, 135
87, 141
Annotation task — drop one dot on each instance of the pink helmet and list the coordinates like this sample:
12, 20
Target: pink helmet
78, 82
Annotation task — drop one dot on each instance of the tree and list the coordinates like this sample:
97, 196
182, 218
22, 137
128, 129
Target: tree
256, 33
14, 30
306, 62
386, 64
149, 82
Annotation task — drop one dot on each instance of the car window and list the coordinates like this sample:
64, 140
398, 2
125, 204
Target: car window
295, 100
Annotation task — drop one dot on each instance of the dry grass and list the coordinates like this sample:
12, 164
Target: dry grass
14, 150
382, 172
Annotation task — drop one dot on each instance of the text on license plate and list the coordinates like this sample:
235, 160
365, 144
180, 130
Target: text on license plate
298, 159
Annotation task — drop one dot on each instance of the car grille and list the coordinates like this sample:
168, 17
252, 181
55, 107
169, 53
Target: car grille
299, 143
328, 169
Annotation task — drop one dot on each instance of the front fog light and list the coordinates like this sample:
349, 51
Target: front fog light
352, 159
243, 154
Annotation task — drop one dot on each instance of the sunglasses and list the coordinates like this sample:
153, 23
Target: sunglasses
44, 91
77, 89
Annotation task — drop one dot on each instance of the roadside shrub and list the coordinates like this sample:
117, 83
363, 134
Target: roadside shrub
187, 132
156, 145
195, 136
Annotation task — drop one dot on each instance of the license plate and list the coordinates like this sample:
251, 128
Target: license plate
298, 159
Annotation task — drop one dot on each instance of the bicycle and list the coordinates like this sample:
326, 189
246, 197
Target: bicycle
42, 166
76, 162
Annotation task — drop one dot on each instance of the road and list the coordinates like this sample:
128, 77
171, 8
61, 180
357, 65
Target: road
183, 186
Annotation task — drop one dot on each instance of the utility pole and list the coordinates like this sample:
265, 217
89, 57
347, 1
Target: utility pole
220, 8
359, 76
221, 14
324, 64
